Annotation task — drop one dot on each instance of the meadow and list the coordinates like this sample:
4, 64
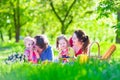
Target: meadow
92, 69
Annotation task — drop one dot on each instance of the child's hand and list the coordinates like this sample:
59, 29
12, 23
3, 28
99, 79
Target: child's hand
67, 54
59, 56
31, 49
36, 53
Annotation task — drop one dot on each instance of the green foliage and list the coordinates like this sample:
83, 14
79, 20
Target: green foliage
117, 27
106, 7
36, 16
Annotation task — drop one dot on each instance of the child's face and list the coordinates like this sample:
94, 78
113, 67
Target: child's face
62, 44
38, 49
29, 44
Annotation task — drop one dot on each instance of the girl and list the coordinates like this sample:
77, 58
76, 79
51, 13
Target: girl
30, 53
66, 53
79, 42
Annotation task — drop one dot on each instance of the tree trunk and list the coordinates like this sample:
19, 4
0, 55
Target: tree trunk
9, 34
18, 26
62, 28
17, 31
118, 28
117, 39
17, 21
1, 35
43, 29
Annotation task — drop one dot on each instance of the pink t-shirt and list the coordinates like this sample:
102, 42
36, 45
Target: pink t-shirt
64, 52
34, 58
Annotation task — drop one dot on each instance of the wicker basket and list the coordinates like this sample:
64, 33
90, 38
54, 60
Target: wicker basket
106, 55
89, 52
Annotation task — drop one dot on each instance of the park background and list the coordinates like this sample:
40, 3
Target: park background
100, 19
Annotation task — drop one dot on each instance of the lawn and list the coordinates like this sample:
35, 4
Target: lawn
92, 69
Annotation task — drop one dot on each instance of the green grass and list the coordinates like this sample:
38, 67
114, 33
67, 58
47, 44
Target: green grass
7, 48
92, 70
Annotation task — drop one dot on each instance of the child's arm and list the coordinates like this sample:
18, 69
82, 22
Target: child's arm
26, 53
37, 54
71, 52
31, 54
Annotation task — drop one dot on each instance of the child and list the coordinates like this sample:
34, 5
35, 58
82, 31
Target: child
66, 53
30, 52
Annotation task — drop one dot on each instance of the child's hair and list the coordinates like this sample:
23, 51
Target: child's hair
59, 38
41, 41
83, 38
27, 39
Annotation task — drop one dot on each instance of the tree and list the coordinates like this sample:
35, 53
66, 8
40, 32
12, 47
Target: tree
28, 17
16, 17
1, 27
64, 21
106, 8
14, 9
1, 35
11, 11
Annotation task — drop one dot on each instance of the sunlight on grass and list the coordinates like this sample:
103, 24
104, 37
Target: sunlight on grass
50, 71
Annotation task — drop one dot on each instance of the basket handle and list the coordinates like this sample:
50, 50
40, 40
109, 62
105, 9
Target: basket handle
90, 48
